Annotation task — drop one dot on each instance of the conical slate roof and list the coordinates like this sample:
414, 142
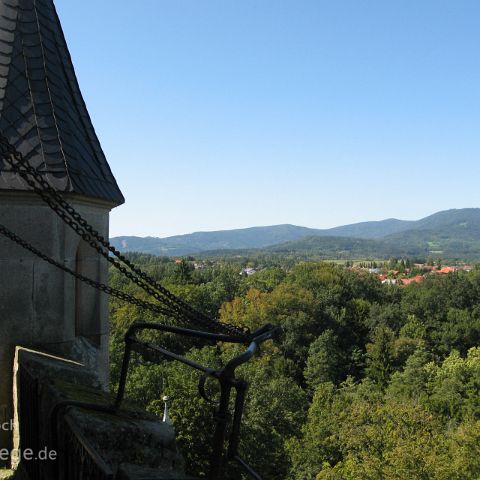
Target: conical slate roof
42, 112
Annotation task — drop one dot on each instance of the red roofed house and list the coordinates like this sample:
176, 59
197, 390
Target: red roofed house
447, 270
408, 281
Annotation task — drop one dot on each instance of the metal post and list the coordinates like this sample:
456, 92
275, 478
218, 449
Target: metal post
216, 463
241, 389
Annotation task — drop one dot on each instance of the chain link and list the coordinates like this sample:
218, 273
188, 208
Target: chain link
174, 305
99, 286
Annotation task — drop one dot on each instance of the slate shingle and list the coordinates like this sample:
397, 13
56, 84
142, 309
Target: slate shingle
42, 111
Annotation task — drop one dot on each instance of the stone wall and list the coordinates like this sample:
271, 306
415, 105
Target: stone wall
41, 306
134, 444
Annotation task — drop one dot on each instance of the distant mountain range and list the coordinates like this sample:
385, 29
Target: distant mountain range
452, 234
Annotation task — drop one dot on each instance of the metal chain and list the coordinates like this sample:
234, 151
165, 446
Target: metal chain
72, 218
60, 207
99, 286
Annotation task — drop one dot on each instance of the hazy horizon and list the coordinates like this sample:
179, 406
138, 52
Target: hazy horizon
278, 224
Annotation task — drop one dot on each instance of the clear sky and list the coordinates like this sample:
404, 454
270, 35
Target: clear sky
219, 114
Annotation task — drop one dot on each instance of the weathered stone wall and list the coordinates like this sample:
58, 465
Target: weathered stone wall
134, 444
41, 306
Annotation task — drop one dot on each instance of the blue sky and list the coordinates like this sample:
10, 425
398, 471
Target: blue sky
219, 114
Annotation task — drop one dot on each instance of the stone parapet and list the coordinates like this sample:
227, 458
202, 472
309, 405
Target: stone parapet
133, 443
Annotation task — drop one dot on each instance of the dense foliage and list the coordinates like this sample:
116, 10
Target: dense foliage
367, 381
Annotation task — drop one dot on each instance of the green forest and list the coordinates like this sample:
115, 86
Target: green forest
366, 381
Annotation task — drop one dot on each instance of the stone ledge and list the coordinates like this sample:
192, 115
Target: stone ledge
135, 444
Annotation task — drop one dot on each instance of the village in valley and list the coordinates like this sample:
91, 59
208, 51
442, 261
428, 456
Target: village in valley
405, 272
395, 271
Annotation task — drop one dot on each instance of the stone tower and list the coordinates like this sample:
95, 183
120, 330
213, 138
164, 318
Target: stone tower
42, 113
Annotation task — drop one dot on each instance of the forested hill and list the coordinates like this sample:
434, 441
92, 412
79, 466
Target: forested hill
453, 235
450, 233
254, 237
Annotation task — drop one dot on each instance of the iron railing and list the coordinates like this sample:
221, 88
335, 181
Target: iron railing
78, 460
221, 454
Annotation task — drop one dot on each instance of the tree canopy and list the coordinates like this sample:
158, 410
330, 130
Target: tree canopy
367, 381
